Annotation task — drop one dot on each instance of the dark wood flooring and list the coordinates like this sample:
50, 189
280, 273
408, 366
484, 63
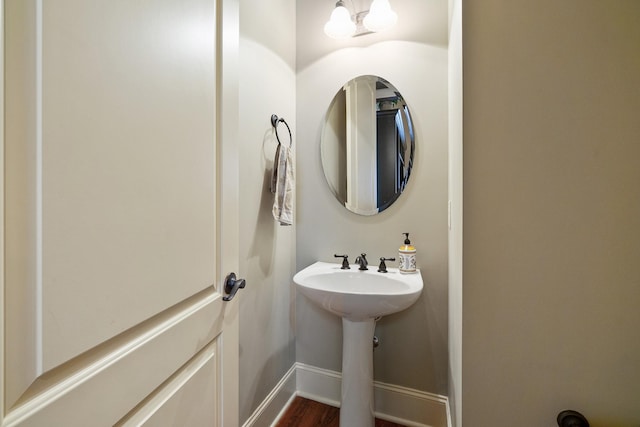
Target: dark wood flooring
308, 413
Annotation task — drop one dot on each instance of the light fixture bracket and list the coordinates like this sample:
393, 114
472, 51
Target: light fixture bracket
358, 18
344, 24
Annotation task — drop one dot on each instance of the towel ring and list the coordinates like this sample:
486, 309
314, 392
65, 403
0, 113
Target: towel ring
274, 122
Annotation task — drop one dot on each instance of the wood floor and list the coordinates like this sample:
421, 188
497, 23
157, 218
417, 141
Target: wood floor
308, 413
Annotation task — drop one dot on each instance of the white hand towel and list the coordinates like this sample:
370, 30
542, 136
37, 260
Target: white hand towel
282, 184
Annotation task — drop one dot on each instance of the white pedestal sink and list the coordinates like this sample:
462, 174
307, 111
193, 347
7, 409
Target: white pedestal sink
359, 297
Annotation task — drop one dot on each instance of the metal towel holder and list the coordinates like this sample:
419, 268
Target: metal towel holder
275, 120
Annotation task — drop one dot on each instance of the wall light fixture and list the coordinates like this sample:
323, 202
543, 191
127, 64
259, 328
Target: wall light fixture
343, 24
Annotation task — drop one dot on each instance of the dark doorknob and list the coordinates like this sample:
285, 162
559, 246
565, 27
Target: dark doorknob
570, 418
231, 286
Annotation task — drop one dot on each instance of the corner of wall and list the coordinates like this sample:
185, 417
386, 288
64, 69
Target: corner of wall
267, 86
455, 213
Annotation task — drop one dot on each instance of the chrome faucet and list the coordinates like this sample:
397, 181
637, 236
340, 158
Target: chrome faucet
362, 260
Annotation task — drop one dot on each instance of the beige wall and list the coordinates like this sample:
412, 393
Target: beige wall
267, 250
413, 350
551, 211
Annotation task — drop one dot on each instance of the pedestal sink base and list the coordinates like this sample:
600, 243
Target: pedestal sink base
363, 295
356, 408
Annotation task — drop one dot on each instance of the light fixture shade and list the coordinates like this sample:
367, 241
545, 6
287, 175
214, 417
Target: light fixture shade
380, 16
340, 24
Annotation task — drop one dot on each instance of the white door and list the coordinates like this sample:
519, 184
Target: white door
114, 187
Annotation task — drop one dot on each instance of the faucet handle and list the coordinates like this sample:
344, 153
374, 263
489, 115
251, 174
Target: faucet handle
345, 261
382, 268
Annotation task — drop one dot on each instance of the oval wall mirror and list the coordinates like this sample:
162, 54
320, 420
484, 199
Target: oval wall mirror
367, 145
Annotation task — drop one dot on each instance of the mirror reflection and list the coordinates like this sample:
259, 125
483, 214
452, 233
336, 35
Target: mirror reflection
367, 145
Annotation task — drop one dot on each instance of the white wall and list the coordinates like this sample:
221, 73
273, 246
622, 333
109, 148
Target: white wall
551, 211
455, 197
267, 250
413, 350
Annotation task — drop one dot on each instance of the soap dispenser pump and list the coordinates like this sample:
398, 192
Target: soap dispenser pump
407, 256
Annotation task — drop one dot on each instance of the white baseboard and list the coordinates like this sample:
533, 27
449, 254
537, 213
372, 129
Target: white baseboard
274, 405
412, 408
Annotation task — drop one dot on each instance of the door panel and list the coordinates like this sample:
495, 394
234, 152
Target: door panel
20, 173
128, 155
191, 384
112, 306
99, 387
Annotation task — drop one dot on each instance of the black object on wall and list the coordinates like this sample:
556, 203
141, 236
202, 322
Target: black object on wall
569, 418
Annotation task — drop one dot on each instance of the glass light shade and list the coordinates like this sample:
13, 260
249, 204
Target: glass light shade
340, 24
380, 16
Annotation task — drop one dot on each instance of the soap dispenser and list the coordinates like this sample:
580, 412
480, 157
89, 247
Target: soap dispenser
407, 256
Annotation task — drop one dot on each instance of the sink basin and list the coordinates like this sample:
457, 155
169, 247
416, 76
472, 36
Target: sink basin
355, 294
359, 297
